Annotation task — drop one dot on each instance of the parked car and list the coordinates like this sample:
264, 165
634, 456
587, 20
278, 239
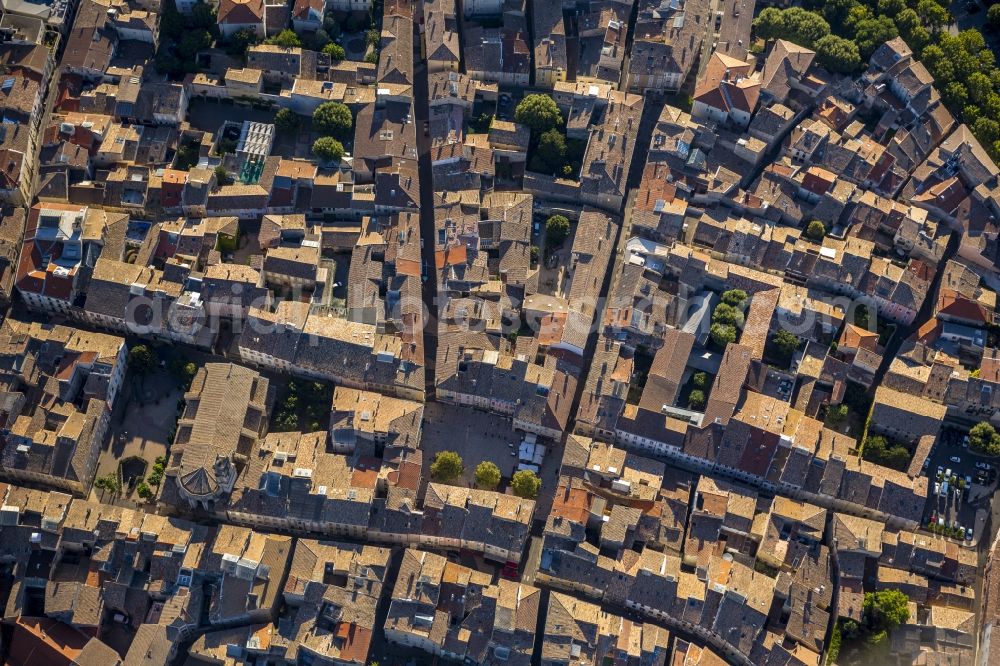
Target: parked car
937, 488
955, 459
940, 521
968, 534
983, 465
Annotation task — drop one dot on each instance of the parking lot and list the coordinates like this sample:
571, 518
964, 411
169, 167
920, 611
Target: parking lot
961, 485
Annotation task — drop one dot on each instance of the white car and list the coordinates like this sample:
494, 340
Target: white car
968, 534
955, 459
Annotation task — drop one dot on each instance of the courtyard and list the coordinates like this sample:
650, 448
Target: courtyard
141, 428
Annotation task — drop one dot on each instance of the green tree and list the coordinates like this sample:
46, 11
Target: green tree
222, 176
734, 297
487, 475
156, 475
447, 466
982, 438
872, 33
804, 27
372, 37
238, 43
885, 610
144, 492
785, 344
372, 57
556, 230
316, 41
526, 484
538, 112
696, 400
194, 41
171, 21
335, 51
891, 8
986, 129
837, 414
955, 95
328, 149
993, 17
286, 120
910, 28
838, 54
109, 484
552, 149
142, 360
769, 24
979, 85
700, 379
934, 15
204, 16
861, 318
816, 231
727, 315
333, 119
285, 39
722, 334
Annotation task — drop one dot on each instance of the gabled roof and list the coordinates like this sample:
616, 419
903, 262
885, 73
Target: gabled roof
239, 12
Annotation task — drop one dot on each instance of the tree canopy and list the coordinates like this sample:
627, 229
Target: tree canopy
286, 120
526, 484
984, 439
993, 17
838, 54
785, 344
551, 150
886, 609
816, 230
328, 149
333, 119
794, 24
722, 334
728, 315
696, 399
447, 466
335, 51
556, 230
734, 297
845, 34
487, 475
538, 112
878, 450
142, 359
285, 39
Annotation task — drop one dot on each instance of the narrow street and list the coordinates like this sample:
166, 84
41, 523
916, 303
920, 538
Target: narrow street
429, 288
